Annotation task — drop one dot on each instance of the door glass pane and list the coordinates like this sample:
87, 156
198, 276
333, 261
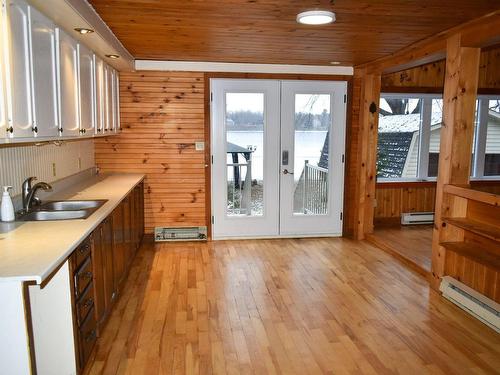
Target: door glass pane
398, 137
435, 138
312, 125
244, 154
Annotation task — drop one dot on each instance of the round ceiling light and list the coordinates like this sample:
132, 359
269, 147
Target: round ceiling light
316, 17
84, 30
113, 56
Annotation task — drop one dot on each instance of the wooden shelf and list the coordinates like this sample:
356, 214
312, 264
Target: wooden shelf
475, 252
486, 230
476, 195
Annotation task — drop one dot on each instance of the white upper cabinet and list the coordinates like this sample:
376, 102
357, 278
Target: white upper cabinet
68, 73
109, 117
44, 75
18, 75
3, 93
116, 102
87, 92
100, 109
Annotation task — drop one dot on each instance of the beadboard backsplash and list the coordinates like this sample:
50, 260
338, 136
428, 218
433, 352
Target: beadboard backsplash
48, 162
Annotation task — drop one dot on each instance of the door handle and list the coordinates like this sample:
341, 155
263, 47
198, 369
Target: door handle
285, 171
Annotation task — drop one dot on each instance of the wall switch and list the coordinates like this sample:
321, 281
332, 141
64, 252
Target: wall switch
199, 146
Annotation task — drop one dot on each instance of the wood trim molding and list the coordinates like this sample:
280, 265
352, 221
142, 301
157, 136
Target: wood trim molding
206, 66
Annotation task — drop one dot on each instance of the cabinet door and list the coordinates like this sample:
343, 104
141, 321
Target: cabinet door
109, 117
44, 75
68, 73
109, 286
86, 85
127, 230
98, 273
118, 247
18, 69
100, 109
3, 93
116, 102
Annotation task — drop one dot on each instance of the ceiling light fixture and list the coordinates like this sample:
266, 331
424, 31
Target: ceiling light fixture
83, 30
113, 56
335, 62
316, 17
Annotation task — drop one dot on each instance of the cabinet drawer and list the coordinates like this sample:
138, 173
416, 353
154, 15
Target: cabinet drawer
87, 338
85, 304
83, 277
81, 253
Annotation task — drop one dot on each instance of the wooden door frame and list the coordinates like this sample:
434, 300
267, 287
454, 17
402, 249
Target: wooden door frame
277, 76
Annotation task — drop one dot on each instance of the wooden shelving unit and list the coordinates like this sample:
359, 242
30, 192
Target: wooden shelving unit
472, 234
486, 230
475, 252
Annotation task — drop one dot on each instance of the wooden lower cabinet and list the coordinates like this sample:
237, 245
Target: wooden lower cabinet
99, 267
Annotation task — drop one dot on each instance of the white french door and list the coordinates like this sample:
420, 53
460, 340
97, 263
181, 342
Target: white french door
277, 154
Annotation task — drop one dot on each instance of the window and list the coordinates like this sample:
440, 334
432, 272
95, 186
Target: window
486, 149
409, 136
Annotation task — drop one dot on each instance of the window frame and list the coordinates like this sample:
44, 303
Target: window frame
481, 133
424, 136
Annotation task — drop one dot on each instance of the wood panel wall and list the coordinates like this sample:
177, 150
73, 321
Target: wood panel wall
431, 76
395, 199
162, 115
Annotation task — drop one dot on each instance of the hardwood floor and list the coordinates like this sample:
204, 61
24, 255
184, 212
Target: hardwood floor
308, 306
412, 245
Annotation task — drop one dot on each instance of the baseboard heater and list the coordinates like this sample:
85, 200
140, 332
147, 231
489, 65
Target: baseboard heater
180, 234
413, 218
483, 308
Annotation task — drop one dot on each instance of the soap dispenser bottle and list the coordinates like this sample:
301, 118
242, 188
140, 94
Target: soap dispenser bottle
7, 208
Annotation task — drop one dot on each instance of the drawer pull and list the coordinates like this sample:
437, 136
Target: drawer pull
88, 275
88, 303
84, 249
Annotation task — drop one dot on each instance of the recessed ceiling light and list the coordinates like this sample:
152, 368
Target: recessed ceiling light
316, 17
83, 30
335, 62
113, 56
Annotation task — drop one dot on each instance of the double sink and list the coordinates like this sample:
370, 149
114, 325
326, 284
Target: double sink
63, 210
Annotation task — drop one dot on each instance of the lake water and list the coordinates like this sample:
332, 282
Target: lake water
308, 146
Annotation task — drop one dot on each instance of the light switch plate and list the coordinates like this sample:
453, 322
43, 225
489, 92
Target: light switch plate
199, 146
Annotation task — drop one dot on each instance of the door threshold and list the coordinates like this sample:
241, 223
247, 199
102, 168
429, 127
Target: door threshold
277, 237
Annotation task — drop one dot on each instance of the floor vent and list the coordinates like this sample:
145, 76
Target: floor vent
483, 308
180, 234
413, 218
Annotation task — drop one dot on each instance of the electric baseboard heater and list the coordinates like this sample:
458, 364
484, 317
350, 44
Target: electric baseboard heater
413, 218
483, 308
180, 234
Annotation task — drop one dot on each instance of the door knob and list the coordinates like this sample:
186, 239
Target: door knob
285, 171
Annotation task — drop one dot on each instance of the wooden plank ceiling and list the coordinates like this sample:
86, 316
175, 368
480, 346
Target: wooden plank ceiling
265, 31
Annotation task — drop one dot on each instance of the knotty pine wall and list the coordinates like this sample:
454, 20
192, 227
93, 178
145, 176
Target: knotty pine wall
162, 116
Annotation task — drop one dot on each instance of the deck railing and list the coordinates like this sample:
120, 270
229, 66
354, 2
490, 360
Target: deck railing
315, 189
239, 194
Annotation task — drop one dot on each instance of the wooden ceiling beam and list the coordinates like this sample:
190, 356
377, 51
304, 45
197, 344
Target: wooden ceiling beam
479, 33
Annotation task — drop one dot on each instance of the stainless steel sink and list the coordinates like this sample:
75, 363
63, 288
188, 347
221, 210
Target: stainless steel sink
72, 205
55, 215
63, 210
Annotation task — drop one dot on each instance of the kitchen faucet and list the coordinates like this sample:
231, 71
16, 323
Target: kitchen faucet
29, 193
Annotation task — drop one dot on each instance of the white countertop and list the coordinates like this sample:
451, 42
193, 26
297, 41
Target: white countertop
31, 251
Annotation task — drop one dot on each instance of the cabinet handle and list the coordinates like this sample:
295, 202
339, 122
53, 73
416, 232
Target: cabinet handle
61, 130
84, 249
98, 130
88, 275
35, 129
105, 130
90, 336
10, 130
